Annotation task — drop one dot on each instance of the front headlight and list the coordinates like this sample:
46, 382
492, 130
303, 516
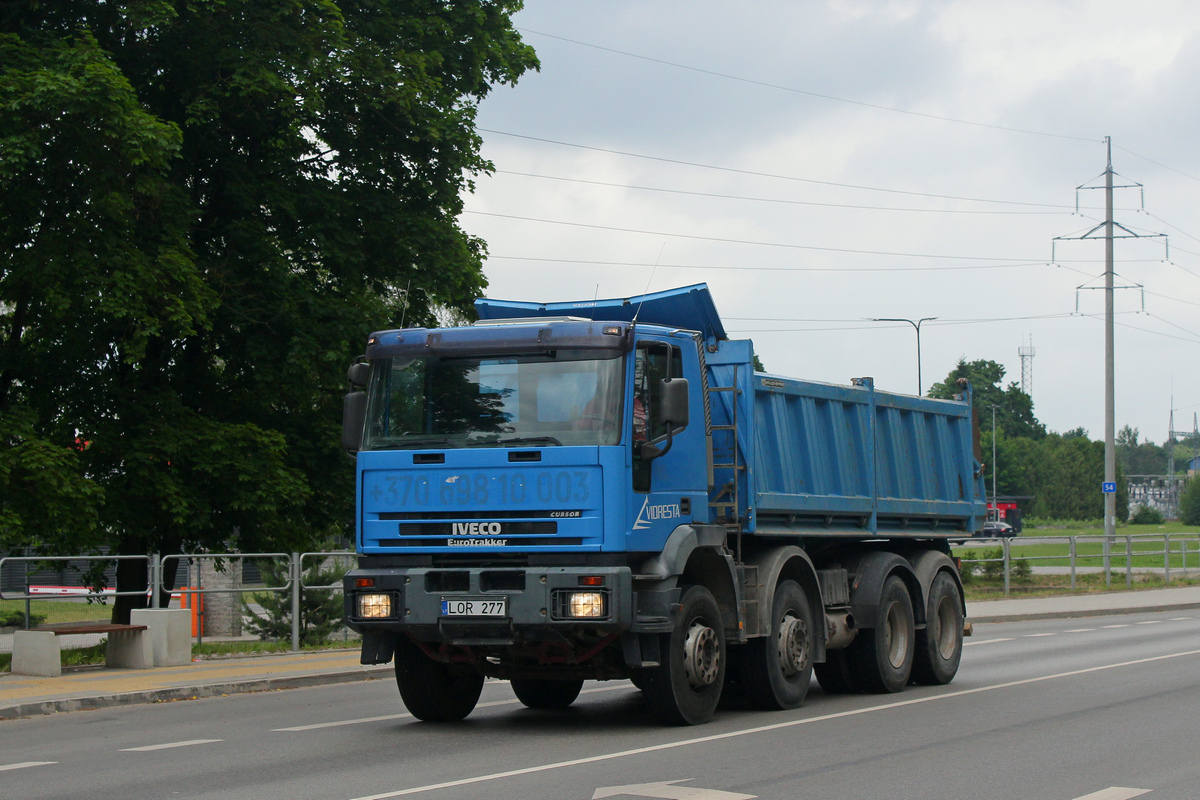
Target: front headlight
374, 606
586, 605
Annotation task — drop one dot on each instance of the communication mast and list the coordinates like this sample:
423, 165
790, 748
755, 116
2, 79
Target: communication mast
1027, 354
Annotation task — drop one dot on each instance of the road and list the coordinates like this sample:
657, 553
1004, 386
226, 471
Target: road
1048, 710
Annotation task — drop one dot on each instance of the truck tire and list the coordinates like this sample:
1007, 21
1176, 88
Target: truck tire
433, 691
834, 675
686, 687
939, 646
775, 670
881, 658
538, 693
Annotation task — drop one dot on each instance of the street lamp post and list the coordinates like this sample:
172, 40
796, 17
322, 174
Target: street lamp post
917, 326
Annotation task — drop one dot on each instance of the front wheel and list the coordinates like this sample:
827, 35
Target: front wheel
538, 693
881, 658
939, 646
433, 691
686, 687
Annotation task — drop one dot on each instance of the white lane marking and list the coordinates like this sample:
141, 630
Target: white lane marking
168, 745
1151, 622
767, 728
386, 717
670, 790
987, 641
1179, 619
1122, 625
1080, 630
1035, 635
1114, 793
25, 764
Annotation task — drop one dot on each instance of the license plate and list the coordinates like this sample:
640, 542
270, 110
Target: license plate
474, 607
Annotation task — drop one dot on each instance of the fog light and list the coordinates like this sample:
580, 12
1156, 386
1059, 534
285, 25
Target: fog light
586, 604
374, 606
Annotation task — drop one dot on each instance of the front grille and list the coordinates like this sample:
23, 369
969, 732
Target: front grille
560, 541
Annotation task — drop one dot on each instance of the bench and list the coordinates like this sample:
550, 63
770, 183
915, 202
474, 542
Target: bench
36, 652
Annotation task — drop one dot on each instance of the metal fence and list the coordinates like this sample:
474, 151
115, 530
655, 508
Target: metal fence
1114, 554
86, 579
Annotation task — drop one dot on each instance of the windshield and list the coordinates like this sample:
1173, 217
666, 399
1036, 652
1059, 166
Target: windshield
557, 398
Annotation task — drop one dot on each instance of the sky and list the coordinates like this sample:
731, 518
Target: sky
824, 164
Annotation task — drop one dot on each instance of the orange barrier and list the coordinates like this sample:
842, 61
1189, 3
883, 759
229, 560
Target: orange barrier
195, 601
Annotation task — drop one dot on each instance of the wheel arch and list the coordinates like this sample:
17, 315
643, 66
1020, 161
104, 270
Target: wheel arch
871, 570
789, 562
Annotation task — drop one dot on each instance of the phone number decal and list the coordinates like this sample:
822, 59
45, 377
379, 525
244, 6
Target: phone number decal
477, 489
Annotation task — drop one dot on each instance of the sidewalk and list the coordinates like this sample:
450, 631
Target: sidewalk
23, 696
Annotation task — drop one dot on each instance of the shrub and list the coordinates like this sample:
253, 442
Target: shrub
320, 609
16, 619
993, 568
1147, 516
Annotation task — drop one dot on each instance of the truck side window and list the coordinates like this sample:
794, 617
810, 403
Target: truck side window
650, 366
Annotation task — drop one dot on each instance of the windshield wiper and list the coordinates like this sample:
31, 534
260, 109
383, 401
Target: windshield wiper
531, 440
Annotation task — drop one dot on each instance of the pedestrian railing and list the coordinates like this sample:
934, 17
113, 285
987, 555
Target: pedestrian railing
188, 580
1129, 552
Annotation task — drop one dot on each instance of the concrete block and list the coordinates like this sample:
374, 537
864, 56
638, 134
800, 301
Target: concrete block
170, 632
129, 650
36, 653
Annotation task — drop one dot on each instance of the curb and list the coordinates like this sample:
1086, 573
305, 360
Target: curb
1088, 612
174, 693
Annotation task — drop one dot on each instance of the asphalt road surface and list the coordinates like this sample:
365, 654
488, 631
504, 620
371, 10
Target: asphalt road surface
1103, 708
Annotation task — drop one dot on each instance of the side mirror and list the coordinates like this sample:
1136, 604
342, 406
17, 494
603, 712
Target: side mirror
674, 408
354, 415
358, 373
672, 413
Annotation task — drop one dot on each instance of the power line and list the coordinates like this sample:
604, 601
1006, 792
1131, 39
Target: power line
772, 199
590, 262
680, 162
805, 92
750, 241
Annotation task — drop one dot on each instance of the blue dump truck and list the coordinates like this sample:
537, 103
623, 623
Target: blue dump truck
606, 490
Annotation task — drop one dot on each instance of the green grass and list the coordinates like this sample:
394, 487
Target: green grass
1147, 553
52, 611
1056, 585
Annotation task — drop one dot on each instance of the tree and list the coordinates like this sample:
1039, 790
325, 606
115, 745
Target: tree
320, 609
206, 209
1189, 503
1014, 408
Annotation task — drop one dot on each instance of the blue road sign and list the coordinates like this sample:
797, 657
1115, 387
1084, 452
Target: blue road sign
1108, 488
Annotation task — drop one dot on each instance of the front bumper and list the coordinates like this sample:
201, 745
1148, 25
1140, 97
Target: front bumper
535, 601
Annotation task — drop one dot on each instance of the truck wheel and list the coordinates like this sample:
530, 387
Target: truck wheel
881, 658
776, 669
939, 646
537, 693
686, 687
433, 691
834, 675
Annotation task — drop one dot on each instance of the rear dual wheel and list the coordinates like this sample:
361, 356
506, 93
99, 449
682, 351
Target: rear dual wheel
540, 693
939, 645
880, 659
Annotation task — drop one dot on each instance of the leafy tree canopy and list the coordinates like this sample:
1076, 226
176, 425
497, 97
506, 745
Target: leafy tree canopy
1014, 408
204, 209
